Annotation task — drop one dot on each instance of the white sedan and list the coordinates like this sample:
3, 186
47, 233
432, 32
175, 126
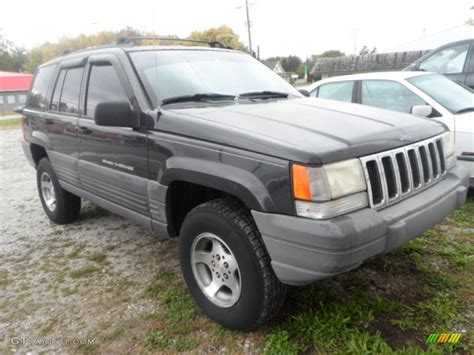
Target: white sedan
419, 93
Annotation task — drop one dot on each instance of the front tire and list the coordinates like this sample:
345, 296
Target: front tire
60, 205
226, 266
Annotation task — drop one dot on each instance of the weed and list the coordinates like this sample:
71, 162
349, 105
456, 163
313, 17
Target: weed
83, 272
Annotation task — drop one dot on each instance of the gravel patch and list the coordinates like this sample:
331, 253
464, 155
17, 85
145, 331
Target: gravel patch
70, 288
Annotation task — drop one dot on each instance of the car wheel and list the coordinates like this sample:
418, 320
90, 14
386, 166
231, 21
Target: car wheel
60, 205
226, 266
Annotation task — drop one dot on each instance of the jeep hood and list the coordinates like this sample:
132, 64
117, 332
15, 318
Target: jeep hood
306, 130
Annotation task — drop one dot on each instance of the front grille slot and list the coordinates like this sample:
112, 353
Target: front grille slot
415, 168
399, 173
403, 169
434, 160
442, 163
425, 164
390, 177
376, 182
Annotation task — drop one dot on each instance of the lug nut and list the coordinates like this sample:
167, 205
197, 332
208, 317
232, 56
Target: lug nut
226, 276
218, 257
226, 265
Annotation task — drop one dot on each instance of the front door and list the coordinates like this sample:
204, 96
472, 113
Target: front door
113, 161
450, 61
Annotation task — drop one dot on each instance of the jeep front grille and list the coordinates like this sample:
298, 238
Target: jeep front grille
396, 174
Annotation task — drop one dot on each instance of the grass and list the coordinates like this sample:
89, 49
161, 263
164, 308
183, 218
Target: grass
98, 257
7, 113
10, 123
387, 306
83, 272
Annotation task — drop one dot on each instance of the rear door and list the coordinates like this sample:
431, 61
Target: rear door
450, 61
54, 104
113, 160
61, 120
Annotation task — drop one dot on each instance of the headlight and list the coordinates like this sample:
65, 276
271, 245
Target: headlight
448, 147
330, 190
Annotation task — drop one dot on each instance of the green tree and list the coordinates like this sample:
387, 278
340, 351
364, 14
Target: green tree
223, 34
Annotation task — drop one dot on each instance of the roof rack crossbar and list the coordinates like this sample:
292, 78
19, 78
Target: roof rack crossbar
212, 44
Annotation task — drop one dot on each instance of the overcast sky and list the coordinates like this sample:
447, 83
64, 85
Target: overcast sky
300, 27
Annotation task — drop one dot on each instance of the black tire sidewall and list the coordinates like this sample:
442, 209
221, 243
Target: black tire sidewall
245, 314
58, 215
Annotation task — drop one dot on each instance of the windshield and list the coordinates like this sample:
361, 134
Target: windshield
446, 92
173, 73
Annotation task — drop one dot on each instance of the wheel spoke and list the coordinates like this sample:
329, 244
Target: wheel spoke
202, 257
233, 283
217, 248
213, 287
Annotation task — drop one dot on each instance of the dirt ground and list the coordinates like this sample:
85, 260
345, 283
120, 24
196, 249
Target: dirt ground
106, 285
63, 285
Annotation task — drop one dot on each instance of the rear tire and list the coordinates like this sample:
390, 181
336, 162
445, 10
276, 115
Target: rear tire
60, 205
226, 266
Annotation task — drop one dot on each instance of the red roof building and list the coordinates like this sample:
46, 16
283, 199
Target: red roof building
13, 90
15, 81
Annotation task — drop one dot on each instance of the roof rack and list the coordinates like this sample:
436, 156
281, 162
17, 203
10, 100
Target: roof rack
212, 44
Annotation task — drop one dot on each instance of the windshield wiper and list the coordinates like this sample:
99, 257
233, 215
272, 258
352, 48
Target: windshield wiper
263, 94
464, 110
197, 98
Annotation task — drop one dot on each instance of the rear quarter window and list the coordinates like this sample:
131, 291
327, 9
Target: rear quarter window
38, 97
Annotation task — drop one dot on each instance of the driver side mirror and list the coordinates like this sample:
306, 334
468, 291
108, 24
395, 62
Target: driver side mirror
115, 114
421, 110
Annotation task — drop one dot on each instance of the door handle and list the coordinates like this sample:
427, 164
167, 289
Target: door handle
83, 130
46, 120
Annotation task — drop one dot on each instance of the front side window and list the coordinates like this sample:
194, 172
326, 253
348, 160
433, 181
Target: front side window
69, 101
340, 91
11, 99
447, 61
175, 73
38, 98
389, 95
104, 86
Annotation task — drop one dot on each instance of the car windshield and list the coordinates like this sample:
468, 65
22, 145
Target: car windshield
446, 92
176, 73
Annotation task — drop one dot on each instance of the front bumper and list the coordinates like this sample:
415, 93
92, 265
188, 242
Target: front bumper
305, 250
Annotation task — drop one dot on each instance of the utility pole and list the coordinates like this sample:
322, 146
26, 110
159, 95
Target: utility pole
355, 30
248, 24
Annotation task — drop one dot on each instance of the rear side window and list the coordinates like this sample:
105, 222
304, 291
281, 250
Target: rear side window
104, 86
38, 98
447, 61
340, 91
58, 87
69, 101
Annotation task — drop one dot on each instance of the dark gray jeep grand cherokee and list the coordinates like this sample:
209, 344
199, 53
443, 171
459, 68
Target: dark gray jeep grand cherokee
262, 186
